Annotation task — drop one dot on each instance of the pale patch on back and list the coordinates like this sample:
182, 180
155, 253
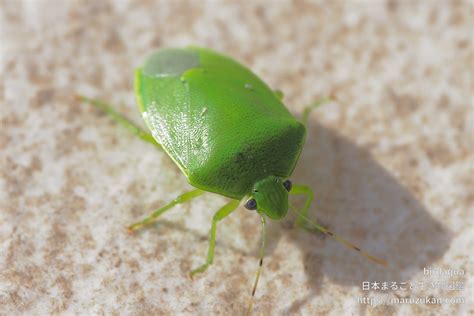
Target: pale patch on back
170, 63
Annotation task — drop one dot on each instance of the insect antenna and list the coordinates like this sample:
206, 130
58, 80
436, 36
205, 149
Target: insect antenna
260, 266
341, 240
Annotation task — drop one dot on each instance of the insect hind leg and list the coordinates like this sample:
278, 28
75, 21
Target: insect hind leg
309, 108
122, 120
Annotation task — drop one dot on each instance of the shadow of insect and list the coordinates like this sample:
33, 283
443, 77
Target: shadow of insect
359, 199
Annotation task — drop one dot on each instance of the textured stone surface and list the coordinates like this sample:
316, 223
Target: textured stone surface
391, 160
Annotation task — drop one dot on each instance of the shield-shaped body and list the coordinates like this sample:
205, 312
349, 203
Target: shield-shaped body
222, 125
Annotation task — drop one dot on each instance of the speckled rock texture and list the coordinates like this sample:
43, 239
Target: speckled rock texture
391, 160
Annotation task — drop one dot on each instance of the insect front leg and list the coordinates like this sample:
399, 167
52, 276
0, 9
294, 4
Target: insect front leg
299, 189
183, 198
309, 108
219, 215
122, 120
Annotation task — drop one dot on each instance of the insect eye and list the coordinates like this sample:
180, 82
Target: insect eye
287, 184
251, 204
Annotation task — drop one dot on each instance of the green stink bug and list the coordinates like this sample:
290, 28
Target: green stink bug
228, 133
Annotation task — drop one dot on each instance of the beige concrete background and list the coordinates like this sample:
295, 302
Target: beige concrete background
391, 160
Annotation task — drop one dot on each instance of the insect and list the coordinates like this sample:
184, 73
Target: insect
227, 132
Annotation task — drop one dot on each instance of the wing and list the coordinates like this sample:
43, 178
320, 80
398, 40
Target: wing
164, 101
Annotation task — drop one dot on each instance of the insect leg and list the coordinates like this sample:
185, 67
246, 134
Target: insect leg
312, 227
122, 120
185, 197
309, 108
299, 189
219, 215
